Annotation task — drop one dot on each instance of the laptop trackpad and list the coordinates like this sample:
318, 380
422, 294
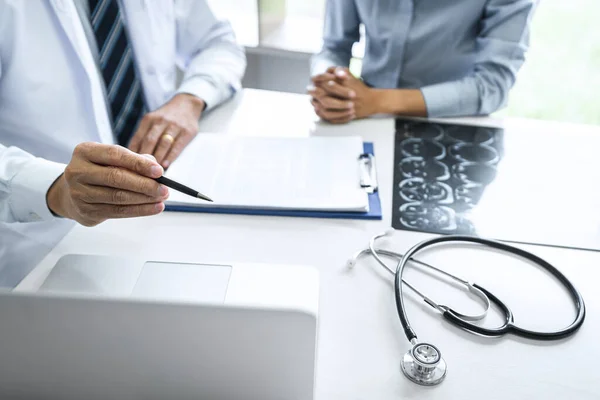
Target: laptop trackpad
182, 282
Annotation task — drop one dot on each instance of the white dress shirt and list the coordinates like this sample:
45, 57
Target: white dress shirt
52, 96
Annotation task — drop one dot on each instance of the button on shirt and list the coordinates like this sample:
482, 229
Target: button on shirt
463, 55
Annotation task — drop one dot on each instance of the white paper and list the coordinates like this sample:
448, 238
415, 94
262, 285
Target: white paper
312, 173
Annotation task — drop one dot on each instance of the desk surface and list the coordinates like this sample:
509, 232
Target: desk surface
360, 339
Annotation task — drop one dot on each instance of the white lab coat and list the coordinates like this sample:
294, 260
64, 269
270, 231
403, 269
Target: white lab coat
51, 97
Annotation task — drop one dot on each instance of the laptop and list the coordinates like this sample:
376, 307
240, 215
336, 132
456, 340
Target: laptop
103, 327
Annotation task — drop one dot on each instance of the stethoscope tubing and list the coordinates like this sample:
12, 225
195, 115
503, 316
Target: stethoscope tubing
508, 326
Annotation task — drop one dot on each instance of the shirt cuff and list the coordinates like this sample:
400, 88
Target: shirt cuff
29, 188
322, 61
450, 99
319, 66
202, 89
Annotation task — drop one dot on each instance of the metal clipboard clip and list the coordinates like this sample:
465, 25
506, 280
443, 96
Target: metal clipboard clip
368, 172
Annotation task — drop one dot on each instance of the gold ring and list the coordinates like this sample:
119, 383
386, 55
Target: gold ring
168, 138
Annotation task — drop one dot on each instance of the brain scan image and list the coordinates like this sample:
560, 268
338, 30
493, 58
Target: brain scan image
428, 217
420, 190
442, 173
470, 134
468, 195
505, 183
465, 226
468, 152
423, 148
423, 130
417, 167
470, 172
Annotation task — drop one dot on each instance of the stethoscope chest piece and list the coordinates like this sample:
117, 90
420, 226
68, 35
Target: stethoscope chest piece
423, 364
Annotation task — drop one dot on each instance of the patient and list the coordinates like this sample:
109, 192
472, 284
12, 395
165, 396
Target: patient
425, 58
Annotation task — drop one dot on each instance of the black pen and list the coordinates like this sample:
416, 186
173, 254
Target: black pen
181, 188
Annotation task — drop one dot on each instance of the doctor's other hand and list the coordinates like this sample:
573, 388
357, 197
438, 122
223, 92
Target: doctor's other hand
338, 97
107, 181
165, 132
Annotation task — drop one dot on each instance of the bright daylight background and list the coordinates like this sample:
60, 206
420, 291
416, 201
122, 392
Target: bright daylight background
561, 77
559, 81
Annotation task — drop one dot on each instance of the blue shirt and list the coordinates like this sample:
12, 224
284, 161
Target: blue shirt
463, 54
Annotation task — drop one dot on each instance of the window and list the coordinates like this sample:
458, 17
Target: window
561, 76
295, 25
243, 16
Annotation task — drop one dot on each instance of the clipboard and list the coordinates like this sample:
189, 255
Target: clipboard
368, 181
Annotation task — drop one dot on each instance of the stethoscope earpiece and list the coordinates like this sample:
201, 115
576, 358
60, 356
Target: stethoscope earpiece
423, 364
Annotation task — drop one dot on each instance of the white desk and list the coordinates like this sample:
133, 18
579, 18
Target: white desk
361, 341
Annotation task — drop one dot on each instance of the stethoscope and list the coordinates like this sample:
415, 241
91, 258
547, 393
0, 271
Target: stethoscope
423, 363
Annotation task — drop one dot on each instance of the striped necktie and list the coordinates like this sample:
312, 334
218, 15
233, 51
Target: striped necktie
123, 87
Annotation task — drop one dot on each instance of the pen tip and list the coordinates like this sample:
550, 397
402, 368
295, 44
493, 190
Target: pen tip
203, 197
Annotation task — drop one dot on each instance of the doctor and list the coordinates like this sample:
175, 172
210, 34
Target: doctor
78, 77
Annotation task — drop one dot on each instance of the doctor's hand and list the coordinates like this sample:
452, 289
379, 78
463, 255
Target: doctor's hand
107, 181
166, 131
338, 97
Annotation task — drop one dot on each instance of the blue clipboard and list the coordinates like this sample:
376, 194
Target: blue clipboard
373, 214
